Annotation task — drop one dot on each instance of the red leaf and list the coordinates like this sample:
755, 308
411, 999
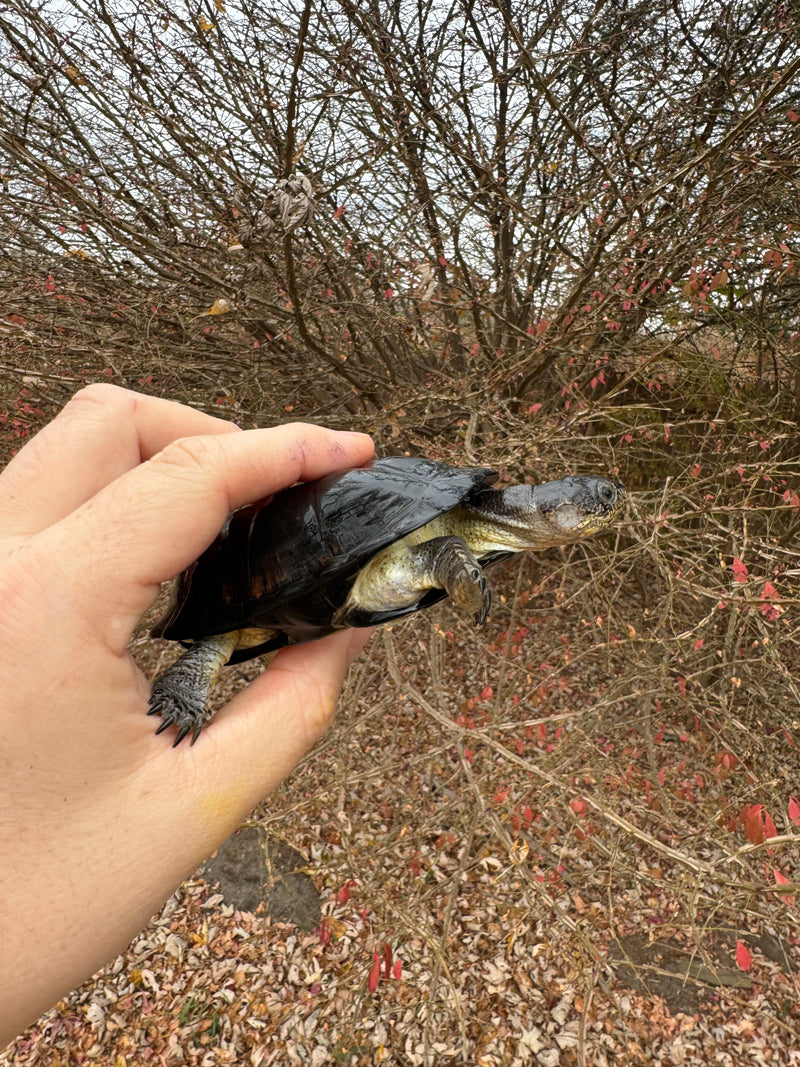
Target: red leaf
343, 895
397, 970
754, 824
780, 879
792, 499
740, 571
578, 805
769, 826
792, 115
794, 810
743, 957
374, 972
324, 932
773, 258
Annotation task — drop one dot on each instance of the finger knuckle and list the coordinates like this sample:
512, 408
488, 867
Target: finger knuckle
298, 441
298, 429
195, 453
103, 395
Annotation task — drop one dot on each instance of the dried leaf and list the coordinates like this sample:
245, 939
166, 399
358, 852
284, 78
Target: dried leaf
221, 306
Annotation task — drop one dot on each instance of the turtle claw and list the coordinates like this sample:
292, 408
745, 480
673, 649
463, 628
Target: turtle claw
486, 592
184, 730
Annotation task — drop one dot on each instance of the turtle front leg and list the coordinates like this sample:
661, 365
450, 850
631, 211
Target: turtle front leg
180, 694
400, 576
447, 563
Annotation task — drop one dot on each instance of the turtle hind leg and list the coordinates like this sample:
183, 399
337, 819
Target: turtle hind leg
447, 563
180, 693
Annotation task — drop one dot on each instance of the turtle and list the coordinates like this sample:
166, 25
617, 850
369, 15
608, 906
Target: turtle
359, 547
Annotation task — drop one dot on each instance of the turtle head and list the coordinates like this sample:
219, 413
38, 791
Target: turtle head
579, 506
542, 516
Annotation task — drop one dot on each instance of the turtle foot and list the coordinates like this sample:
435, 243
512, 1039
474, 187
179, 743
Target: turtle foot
177, 708
468, 587
180, 694
448, 563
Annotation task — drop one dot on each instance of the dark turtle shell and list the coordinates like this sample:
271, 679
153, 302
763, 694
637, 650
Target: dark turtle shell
287, 563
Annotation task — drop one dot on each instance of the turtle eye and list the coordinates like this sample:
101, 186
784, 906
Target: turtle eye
607, 492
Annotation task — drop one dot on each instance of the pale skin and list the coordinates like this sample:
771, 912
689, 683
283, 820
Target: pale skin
100, 819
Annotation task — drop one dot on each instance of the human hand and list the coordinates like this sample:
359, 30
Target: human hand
100, 820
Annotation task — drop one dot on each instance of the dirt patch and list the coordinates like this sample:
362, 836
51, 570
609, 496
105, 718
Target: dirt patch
257, 873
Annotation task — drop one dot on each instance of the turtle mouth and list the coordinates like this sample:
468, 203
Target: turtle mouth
591, 524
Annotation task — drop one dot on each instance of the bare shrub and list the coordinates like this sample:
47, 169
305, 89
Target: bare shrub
495, 196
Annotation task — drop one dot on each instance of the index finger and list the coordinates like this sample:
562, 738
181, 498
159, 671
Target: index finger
153, 521
102, 432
